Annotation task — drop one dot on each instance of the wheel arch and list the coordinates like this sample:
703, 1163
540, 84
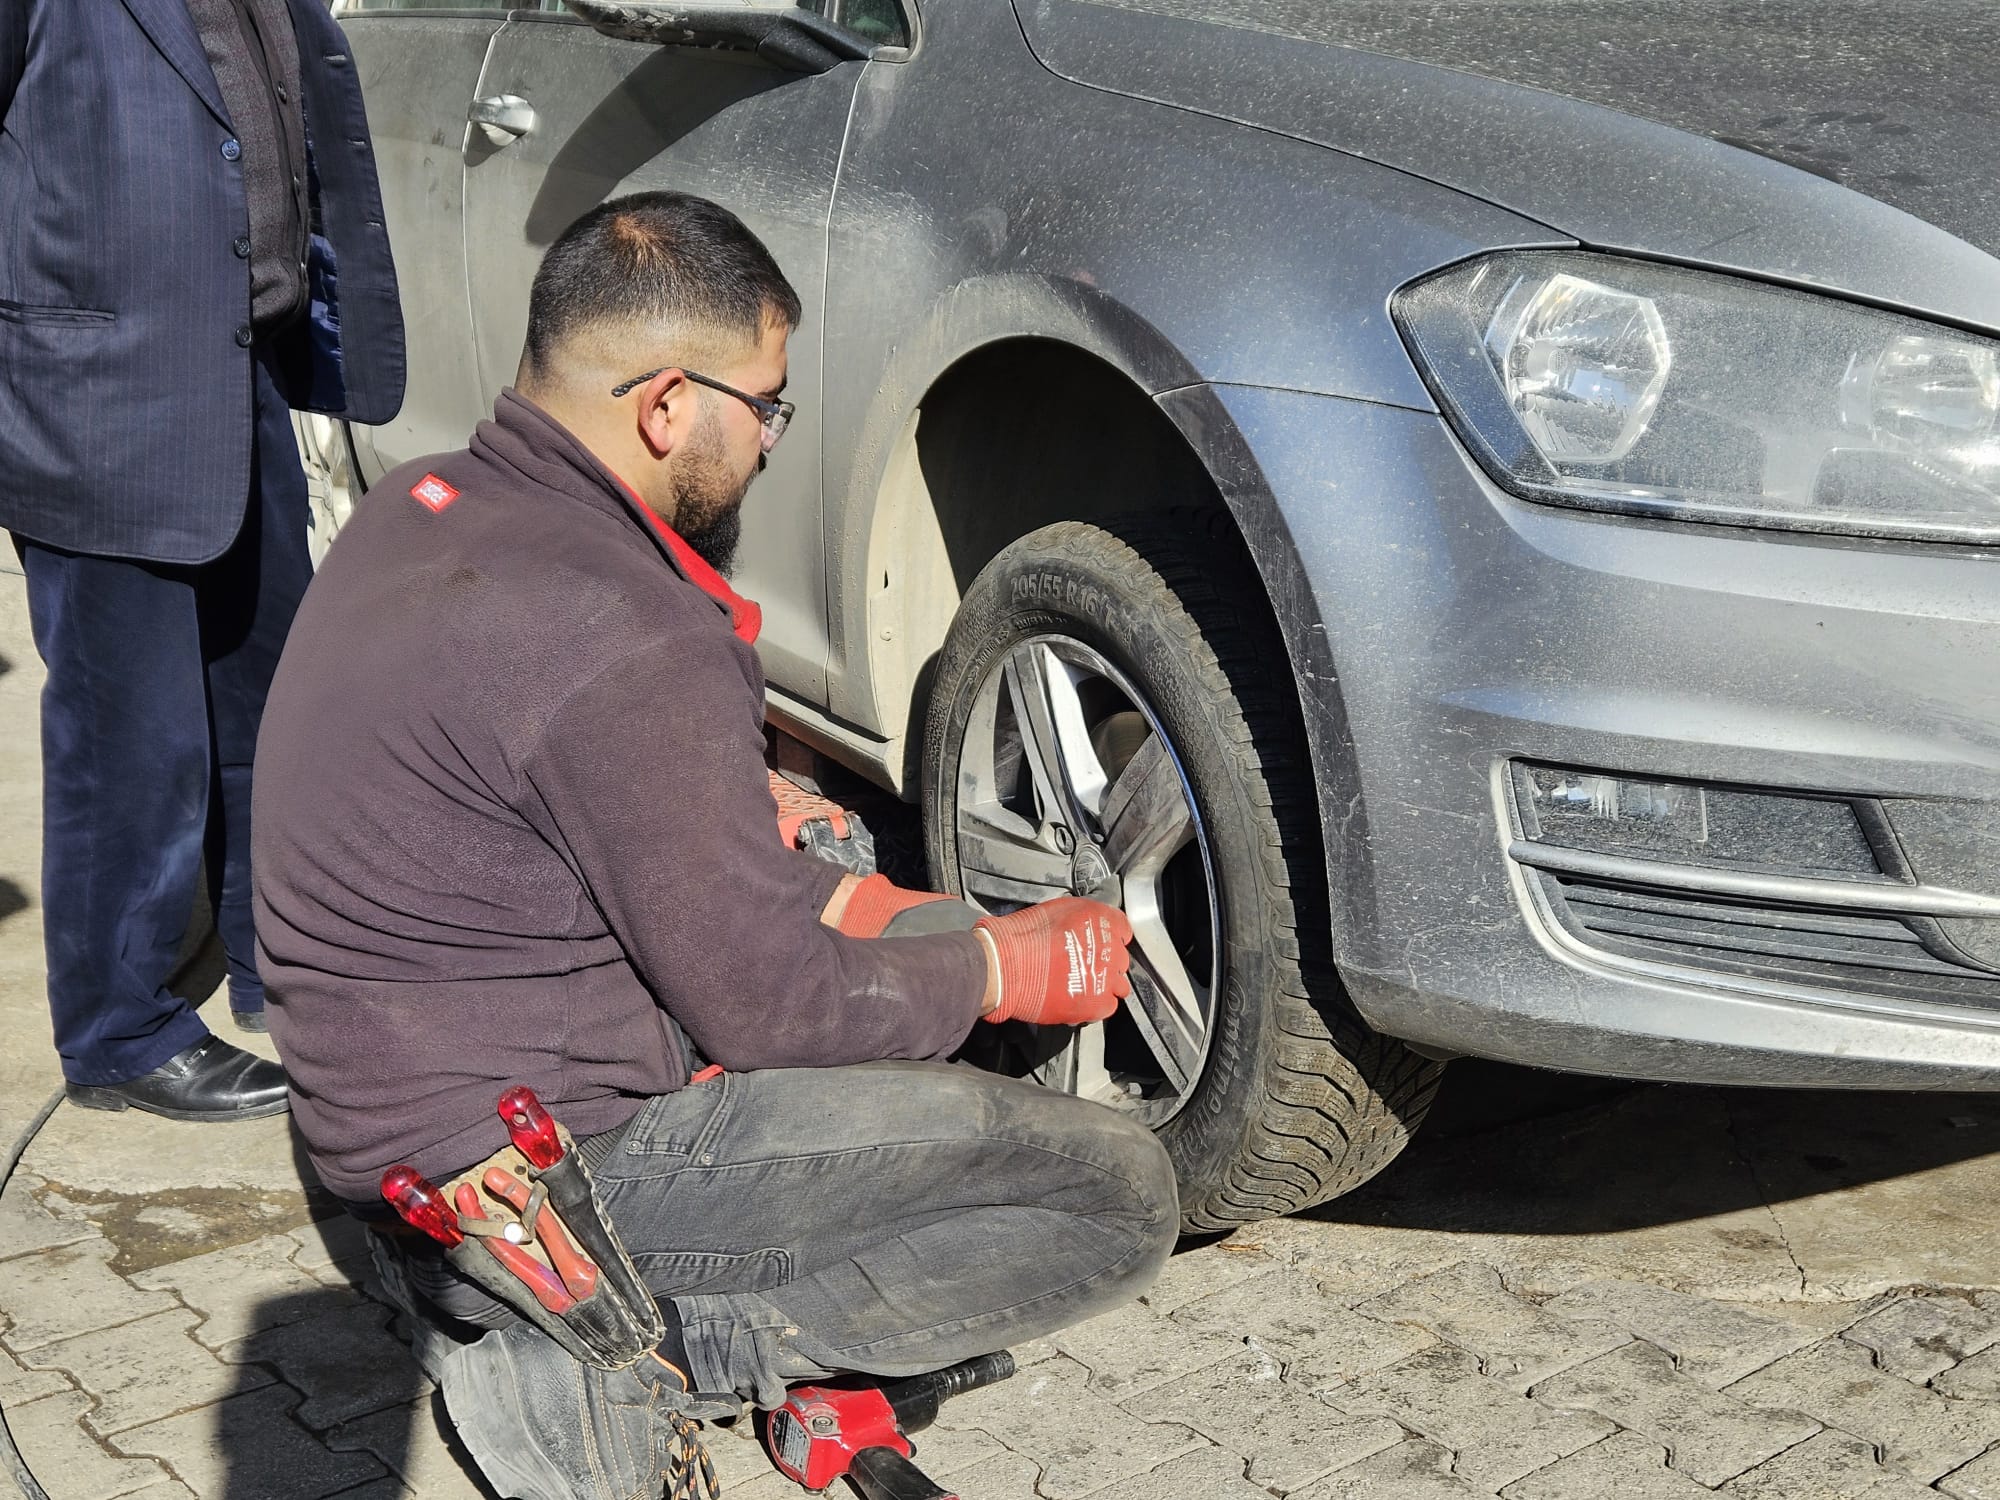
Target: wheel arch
1094, 442
1015, 434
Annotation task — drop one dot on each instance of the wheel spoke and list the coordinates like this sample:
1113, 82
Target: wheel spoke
1079, 1068
1069, 781
1146, 815
1165, 1004
1000, 858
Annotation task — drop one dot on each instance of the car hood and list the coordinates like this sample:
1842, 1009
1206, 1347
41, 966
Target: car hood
1842, 144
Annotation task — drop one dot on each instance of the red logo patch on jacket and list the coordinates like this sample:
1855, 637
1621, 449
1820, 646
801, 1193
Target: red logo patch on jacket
433, 491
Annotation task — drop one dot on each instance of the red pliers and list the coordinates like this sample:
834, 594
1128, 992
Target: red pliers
417, 1200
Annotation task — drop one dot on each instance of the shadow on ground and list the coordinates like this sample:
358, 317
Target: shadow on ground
13, 898
363, 1399
1518, 1151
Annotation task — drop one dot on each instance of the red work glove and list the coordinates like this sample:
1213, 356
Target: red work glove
1062, 962
875, 903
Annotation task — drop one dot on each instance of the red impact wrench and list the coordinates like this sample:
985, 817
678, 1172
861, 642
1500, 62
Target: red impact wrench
824, 1432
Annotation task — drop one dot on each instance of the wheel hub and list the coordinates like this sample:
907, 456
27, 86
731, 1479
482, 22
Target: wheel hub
1089, 870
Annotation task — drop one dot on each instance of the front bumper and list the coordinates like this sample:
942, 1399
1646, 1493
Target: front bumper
1468, 632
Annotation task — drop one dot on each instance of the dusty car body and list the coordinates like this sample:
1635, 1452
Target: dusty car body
1591, 421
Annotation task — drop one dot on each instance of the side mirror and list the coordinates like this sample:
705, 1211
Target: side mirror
776, 30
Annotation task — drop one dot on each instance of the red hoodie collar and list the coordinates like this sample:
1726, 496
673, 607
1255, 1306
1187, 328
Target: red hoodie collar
745, 615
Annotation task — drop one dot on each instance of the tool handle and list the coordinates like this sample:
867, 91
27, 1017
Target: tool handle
884, 1474
579, 1276
916, 1400
419, 1204
529, 1126
531, 1273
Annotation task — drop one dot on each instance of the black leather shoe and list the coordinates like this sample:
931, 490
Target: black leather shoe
209, 1081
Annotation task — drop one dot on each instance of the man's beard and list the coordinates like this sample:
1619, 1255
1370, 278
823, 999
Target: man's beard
708, 498
716, 544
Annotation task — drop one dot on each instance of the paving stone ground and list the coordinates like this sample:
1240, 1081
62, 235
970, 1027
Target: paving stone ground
1564, 1290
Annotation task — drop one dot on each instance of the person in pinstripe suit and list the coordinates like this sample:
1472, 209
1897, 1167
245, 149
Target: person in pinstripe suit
194, 243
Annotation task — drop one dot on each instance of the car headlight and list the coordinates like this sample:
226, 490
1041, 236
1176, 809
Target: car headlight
1618, 384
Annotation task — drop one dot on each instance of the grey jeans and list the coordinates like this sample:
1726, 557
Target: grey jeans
888, 1218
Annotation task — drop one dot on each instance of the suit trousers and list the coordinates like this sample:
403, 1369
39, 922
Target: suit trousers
157, 676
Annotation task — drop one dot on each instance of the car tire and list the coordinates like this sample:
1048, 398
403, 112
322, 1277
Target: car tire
1147, 646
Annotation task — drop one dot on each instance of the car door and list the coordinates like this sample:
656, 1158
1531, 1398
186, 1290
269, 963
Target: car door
586, 118
418, 62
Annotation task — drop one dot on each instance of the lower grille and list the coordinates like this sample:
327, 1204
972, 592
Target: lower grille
1851, 951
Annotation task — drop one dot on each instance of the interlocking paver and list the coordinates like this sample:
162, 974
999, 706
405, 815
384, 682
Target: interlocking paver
249, 1445
1208, 1473
1033, 1352
246, 1288
19, 1384
771, 1486
1498, 1434
25, 1224
940, 1450
1288, 1436
1829, 1466
333, 1249
1516, 1341
1320, 1341
1187, 1278
1917, 1430
1918, 1337
1134, 1349
71, 1289
1708, 1435
1081, 1441
1413, 1470
146, 1370
1978, 1379
49, 1434
738, 1458
346, 1363
1624, 1465
1978, 1480
417, 1445
1713, 1342
1004, 1476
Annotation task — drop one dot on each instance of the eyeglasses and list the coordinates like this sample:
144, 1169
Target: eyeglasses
775, 415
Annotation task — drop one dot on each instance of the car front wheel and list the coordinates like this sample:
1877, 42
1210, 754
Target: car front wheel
1113, 716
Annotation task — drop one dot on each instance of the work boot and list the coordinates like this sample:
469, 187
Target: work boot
209, 1081
544, 1426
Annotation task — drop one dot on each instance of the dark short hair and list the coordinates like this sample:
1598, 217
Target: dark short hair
656, 258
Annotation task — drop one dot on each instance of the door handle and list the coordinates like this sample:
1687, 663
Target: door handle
503, 117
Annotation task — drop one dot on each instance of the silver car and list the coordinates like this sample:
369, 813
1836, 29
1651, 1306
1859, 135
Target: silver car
1476, 522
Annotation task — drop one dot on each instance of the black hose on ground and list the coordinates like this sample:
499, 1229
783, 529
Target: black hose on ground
17, 1465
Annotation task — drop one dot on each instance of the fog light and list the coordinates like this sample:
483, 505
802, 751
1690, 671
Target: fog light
1651, 812
1687, 822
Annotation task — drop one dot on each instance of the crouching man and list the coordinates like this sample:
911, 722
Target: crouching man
513, 825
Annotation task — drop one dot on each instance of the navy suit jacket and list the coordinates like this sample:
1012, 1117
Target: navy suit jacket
125, 371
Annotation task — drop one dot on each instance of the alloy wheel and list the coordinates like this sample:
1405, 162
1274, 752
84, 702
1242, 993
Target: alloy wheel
1067, 784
